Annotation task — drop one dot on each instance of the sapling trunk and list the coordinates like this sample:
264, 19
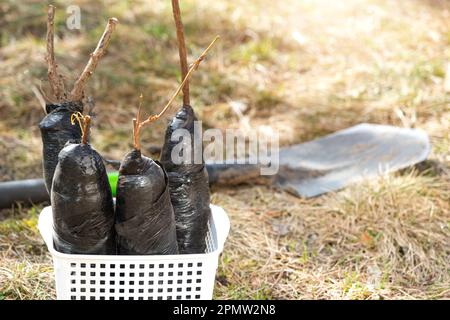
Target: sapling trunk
56, 81
82, 204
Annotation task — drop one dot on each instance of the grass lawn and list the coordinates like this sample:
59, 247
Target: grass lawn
304, 68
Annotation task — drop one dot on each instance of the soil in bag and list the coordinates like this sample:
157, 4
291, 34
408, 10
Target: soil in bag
82, 204
189, 188
56, 130
145, 223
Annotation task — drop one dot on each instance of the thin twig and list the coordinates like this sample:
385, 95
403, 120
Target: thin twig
181, 49
39, 96
136, 131
44, 94
78, 89
193, 67
55, 80
137, 125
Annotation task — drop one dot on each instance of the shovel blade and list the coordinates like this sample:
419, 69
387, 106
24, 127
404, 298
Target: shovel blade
347, 156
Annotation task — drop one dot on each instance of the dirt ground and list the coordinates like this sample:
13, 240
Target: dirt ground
304, 68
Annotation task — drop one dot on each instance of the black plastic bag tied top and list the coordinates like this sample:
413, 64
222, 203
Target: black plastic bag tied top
145, 222
82, 204
189, 188
56, 130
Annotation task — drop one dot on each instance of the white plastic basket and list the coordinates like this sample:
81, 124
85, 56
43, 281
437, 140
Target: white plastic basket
117, 277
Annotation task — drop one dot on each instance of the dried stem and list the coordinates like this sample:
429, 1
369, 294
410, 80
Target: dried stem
193, 67
136, 132
85, 125
86, 129
78, 90
44, 94
54, 78
181, 49
39, 96
137, 125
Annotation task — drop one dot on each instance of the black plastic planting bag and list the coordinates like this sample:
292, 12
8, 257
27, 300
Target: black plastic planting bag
189, 188
145, 222
56, 130
82, 204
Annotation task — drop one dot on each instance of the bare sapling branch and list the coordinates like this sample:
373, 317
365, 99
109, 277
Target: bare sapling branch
39, 96
181, 49
193, 67
137, 126
77, 92
56, 81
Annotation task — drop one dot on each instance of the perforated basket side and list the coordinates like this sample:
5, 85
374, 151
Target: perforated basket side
85, 277
136, 280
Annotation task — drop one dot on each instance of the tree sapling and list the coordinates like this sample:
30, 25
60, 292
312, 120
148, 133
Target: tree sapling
145, 222
188, 182
55, 127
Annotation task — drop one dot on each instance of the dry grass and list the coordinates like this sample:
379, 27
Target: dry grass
305, 68
368, 242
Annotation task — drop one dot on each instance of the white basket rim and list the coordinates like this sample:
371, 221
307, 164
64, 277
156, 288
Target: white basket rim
221, 223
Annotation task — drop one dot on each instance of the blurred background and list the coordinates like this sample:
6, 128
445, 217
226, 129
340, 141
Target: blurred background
304, 68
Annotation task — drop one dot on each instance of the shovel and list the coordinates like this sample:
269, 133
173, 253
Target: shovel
332, 162
305, 170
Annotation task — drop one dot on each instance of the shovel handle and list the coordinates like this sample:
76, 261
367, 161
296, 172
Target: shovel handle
34, 191
235, 174
31, 190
